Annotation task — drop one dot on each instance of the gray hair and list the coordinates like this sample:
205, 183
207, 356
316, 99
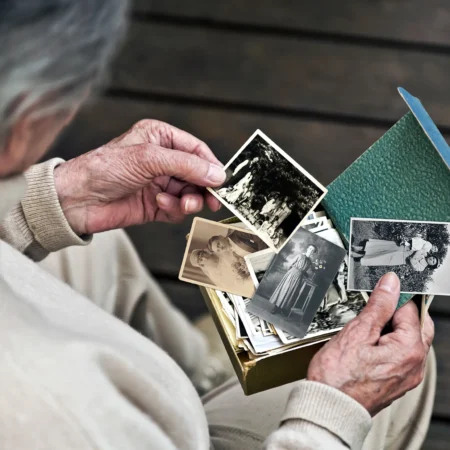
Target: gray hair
54, 46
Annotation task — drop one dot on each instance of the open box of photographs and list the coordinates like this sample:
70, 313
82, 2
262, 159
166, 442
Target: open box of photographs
277, 278
272, 359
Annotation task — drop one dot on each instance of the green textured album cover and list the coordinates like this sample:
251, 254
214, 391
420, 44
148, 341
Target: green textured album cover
401, 177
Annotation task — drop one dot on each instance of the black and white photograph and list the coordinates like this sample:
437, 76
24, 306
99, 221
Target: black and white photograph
338, 307
268, 190
416, 251
258, 263
214, 257
296, 282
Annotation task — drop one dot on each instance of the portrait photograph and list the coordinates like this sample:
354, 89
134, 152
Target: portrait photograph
296, 282
416, 251
214, 257
268, 190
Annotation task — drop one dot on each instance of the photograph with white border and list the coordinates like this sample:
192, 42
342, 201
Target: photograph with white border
416, 251
270, 192
214, 257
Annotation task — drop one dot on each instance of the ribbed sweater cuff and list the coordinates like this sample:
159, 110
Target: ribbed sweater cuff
329, 408
42, 211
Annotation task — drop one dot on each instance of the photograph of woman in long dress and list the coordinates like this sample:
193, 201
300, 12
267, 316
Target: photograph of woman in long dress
297, 281
288, 291
415, 251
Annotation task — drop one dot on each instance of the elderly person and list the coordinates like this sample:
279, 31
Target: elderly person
73, 376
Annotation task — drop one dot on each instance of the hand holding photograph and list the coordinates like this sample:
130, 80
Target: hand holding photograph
214, 257
416, 251
268, 190
293, 288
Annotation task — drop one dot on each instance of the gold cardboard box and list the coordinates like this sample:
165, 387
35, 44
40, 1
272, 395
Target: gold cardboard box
265, 372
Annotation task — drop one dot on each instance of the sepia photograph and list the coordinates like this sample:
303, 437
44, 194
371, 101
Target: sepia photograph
214, 257
296, 282
268, 190
416, 251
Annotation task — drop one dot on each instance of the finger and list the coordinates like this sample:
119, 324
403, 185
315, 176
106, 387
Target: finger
382, 303
212, 202
191, 203
168, 136
428, 331
405, 327
184, 166
185, 142
406, 318
191, 197
170, 210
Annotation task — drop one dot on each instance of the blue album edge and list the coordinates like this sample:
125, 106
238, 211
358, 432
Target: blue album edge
427, 124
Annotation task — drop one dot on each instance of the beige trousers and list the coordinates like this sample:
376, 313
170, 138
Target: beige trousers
109, 272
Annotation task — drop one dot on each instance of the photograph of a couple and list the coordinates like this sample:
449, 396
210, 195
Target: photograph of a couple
415, 251
215, 254
291, 292
268, 190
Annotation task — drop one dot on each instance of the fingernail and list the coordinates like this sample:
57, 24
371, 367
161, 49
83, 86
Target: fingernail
216, 174
164, 200
389, 282
191, 205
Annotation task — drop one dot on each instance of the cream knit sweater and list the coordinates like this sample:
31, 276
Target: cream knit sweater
74, 377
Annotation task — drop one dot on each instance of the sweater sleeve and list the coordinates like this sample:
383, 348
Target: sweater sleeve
37, 225
319, 417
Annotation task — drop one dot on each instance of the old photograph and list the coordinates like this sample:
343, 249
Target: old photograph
258, 263
416, 251
338, 307
293, 288
215, 254
268, 190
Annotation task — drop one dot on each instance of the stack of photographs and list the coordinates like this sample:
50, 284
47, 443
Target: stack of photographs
280, 272
260, 337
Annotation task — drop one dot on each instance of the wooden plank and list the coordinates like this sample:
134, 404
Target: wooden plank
411, 20
186, 297
314, 144
437, 437
280, 72
440, 304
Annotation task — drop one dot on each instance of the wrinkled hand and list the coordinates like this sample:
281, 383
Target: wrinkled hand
375, 370
153, 172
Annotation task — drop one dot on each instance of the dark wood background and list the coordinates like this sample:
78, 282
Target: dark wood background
317, 76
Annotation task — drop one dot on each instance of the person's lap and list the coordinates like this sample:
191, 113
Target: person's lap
231, 415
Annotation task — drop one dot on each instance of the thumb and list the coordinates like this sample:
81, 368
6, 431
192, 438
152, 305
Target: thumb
382, 303
185, 167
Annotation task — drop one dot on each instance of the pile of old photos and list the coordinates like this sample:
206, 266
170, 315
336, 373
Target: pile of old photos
280, 268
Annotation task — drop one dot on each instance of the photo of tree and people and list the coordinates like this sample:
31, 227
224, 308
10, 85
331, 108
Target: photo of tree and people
269, 191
